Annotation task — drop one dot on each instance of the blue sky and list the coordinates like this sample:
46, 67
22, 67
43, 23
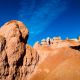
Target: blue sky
44, 17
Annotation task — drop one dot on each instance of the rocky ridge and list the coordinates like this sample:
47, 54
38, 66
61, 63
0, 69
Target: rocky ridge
52, 59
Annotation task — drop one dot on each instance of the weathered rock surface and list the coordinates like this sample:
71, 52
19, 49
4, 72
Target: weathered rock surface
52, 59
59, 60
17, 59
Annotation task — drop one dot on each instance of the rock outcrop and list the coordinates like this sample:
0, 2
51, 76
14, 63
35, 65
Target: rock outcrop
58, 60
52, 59
17, 59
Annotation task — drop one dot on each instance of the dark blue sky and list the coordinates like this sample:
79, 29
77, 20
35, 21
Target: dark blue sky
44, 17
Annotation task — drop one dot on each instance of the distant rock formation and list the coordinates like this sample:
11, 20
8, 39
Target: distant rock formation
49, 41
79, 38
52, 59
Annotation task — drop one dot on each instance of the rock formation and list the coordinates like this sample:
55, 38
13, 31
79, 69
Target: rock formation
58, 61
17, 59
79, 38
52, 59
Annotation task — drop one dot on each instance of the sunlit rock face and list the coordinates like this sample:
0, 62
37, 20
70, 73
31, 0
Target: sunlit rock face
17, 59
51, 59
58, 59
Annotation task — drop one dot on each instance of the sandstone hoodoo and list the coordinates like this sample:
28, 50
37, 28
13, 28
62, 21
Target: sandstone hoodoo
52, 59
17, 59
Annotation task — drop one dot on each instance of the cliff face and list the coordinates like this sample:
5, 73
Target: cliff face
52, 59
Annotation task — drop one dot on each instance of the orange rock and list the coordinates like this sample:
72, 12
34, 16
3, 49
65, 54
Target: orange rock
58, 62
52, 59
17, 60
